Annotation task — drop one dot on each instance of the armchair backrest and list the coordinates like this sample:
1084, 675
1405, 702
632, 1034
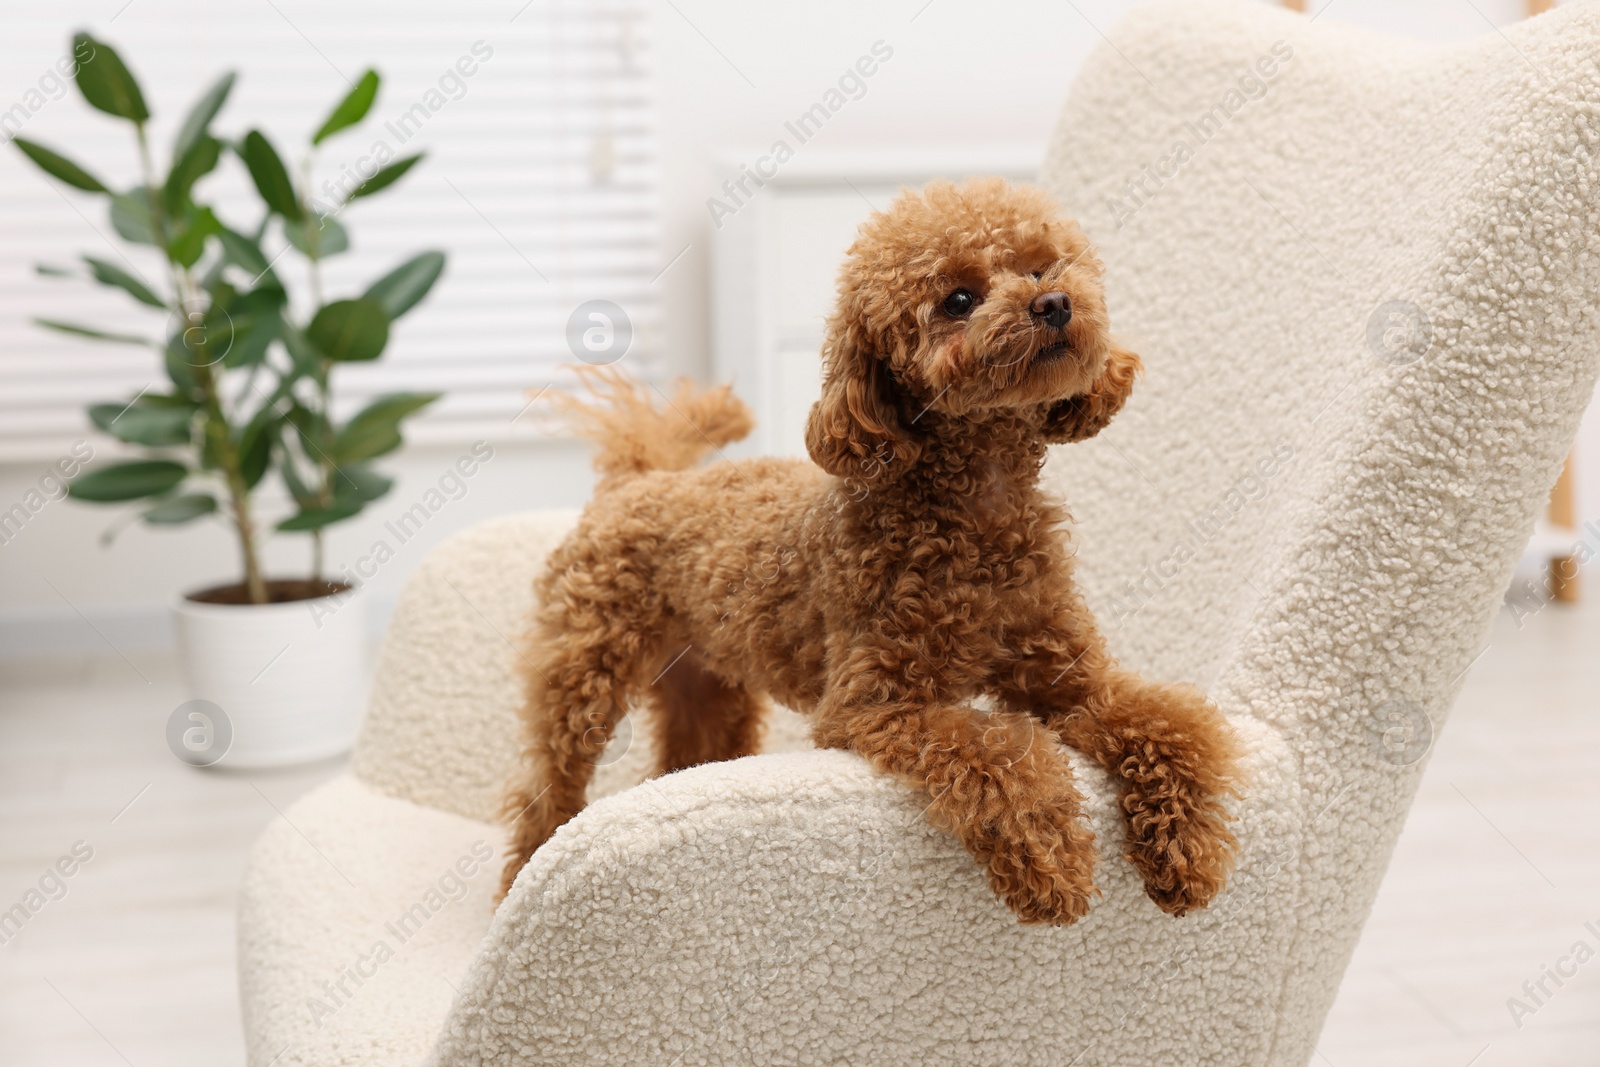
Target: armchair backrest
441, 726
1362, 275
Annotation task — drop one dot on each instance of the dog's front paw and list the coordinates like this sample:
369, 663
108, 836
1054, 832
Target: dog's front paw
1184, 853
1178, 759
1042, 866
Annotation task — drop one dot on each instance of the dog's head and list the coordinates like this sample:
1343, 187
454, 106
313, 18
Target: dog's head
965, 301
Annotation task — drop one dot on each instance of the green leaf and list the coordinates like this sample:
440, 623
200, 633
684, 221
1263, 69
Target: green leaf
317, 518
105, 81
384, 177
350, 330
268, 295
251, 340
317, 236
375, 429
302, 493
181, 509
256, 321
367, 442
196, 163
401, 289
49, 271
202, 339
177, 362
270, 175
132, 216
145, 424
306, 358
60, 166
303, 419
168, 400
87, 331
352, 109
352, 483
244, 251
128, 481
110, 274
255, 449
188, 244
199, 118
235, 330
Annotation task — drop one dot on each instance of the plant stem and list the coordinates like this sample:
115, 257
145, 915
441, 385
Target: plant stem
227, 455
325, 424
238, 493
217, 430
325, 468
239, 497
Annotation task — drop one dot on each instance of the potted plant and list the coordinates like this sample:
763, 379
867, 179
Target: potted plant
249, 396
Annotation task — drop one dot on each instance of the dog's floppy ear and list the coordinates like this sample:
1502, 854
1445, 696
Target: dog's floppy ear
1080, 417
856, 429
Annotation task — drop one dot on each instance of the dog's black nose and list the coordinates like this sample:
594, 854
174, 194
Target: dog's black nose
1053, 308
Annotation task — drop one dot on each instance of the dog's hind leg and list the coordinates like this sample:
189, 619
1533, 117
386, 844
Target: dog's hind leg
701, 716
596, 634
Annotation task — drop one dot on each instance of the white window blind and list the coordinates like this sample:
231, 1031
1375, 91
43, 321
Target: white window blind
539, 184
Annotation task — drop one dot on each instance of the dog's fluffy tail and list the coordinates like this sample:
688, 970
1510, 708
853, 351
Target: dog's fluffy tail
635, 435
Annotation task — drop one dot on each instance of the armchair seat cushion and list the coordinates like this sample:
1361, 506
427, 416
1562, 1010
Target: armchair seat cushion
359, 910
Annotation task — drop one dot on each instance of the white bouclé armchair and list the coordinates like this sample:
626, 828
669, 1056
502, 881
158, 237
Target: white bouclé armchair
1361, 274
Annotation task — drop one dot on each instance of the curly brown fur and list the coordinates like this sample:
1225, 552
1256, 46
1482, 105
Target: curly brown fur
918, 569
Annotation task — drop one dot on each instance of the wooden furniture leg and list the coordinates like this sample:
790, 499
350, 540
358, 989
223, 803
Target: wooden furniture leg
1563, 512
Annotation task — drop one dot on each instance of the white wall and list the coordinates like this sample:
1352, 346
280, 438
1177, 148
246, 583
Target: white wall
729, 75
57, 567
992, 73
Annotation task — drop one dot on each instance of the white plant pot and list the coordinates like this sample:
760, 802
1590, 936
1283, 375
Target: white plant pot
290, 678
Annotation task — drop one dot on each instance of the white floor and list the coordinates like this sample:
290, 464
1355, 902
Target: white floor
1493, 880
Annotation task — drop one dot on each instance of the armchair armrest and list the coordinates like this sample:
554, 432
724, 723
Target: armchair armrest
799, 908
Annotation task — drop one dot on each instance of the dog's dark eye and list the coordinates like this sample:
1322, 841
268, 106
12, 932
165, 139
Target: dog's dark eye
960, 303
1037, 275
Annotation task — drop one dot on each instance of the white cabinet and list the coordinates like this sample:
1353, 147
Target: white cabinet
777, 258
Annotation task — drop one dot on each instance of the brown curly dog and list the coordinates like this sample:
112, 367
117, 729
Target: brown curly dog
918, 569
